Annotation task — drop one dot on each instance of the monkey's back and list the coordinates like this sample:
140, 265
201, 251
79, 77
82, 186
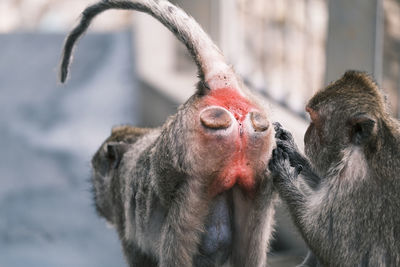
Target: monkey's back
358, 215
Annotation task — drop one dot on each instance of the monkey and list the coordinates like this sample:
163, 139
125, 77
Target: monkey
195, 191
343, 194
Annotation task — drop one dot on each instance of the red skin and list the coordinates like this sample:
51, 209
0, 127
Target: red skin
231, 100
237, 169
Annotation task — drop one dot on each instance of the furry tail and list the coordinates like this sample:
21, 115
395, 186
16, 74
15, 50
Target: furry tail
210, 61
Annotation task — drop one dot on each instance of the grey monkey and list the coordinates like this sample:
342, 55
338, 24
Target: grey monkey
196, 191
344, 195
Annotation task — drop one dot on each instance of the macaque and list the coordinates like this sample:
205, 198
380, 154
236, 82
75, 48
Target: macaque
344, 195
197, 190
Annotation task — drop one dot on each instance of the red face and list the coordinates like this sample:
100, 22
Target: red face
238, 135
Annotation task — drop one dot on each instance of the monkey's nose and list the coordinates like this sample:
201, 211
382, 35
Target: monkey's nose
215, 118
259, 121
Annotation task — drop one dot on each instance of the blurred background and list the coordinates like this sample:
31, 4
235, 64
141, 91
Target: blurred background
129, 69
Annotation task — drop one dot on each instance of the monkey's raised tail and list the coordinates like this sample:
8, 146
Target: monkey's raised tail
210, 62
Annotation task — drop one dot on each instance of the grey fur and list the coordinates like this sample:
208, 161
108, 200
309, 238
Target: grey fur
157, 198
153, 185
349, 217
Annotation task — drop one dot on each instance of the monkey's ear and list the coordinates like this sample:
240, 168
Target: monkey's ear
115, 152
362, 128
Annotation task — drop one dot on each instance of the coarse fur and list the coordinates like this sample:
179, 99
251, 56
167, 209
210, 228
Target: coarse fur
196, 191
345, 200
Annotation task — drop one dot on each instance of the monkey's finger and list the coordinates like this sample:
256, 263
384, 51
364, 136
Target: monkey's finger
292, 153
278, 152
275, 154
282, 134
277, 126
275, 172
282, 156
271, 165
286, 146
286, 135
278, 129
285, 156
272, 161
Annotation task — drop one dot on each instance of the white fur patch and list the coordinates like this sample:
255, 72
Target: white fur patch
356, 167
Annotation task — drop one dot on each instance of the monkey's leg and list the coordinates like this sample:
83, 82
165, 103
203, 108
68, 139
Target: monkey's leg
183, 225
253, 225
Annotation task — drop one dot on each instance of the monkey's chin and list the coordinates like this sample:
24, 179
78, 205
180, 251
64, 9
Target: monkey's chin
240, 174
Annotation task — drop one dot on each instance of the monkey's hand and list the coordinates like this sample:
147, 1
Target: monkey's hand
285, 141
285, 180
284, 135
281, 170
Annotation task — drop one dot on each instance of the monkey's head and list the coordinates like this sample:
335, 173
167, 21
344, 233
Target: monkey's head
345, 115
105, 163
226, 135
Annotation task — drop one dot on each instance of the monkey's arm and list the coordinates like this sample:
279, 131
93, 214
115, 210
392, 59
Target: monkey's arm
285, 179
184, 197
286, 172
